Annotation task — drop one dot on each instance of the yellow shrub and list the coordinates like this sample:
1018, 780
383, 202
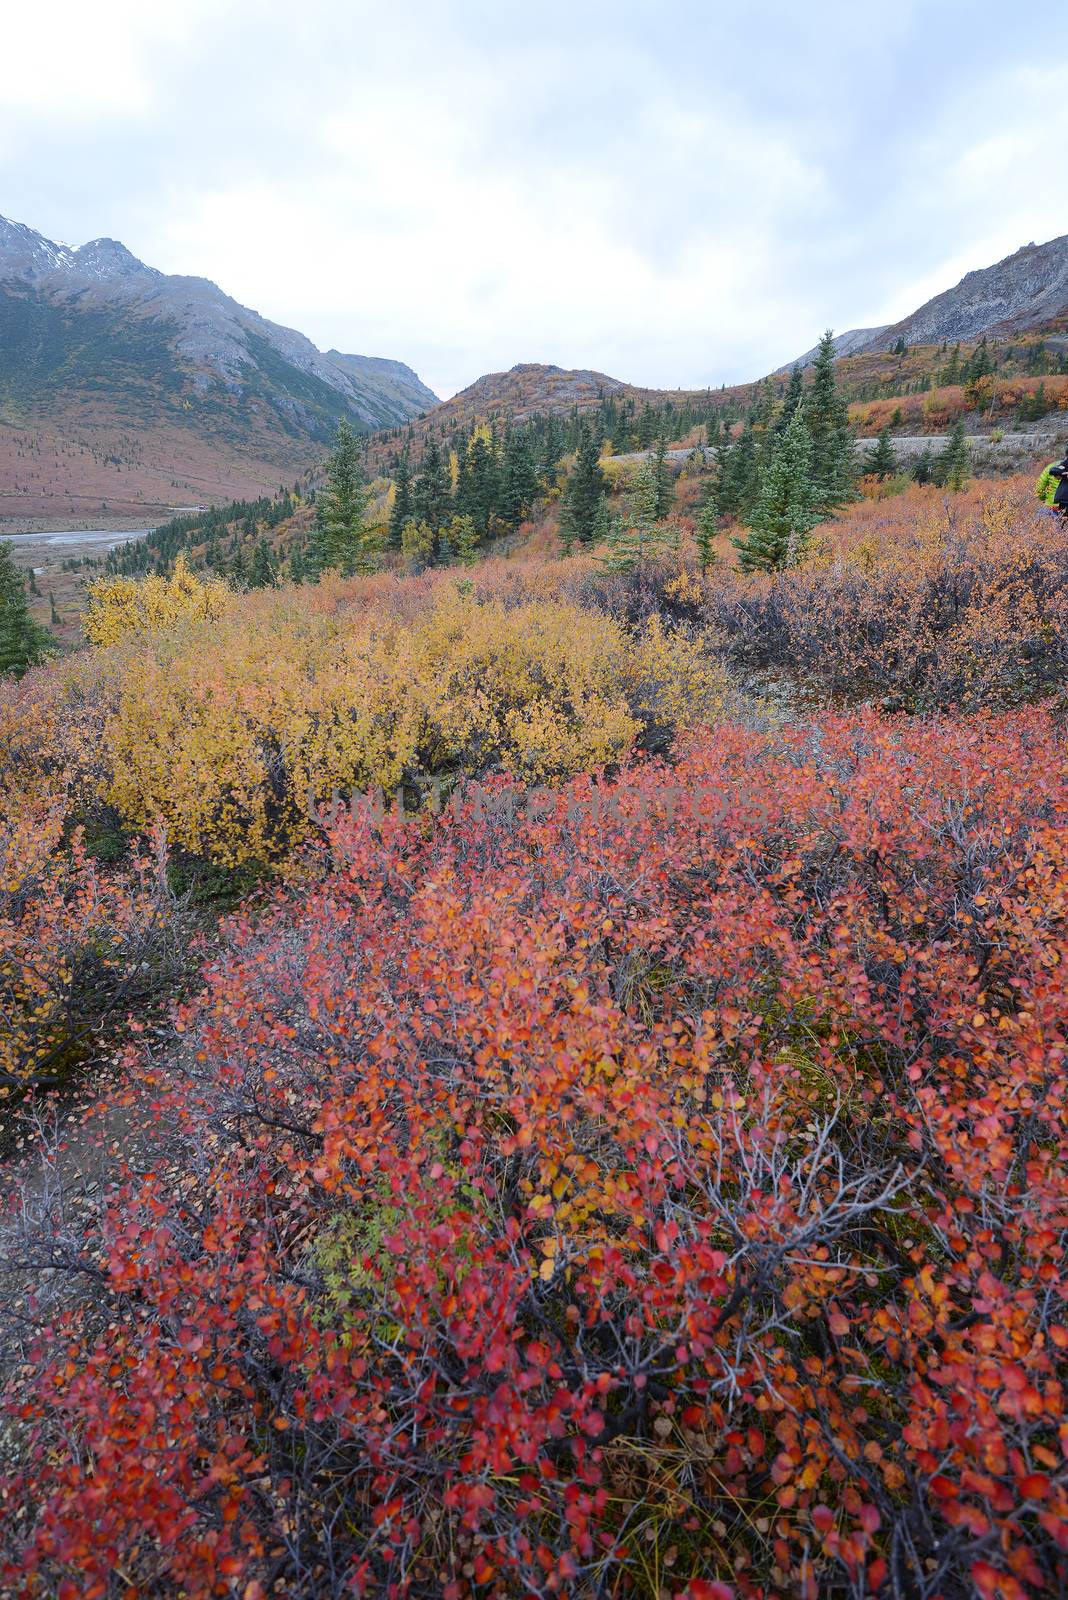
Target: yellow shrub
229, 730
121, 608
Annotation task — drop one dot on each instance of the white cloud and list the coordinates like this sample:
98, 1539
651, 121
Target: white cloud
465, 185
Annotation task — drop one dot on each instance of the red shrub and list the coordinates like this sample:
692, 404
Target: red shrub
662, 1189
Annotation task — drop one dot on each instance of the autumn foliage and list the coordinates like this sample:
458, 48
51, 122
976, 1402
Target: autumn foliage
77, 944
124, 608
233, 729
662, 1190
927, 599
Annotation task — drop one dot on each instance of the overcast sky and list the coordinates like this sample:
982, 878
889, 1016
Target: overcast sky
678, 194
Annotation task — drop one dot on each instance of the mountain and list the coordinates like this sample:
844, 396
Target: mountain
98, 347
1028, 289
529, 388
524, 389
845, 344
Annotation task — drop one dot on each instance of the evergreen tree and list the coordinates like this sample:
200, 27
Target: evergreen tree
788, 507
646, 495
794, 396
981, 363
54, 617
262, 571
832, 443
739, 476
585, 491
923, 468
881, 461
707, 532
621, 435
401, 510
32, 578
764, 409
478, 489
432, 492
239, 568
952, 464
23, 642
463, 538
665, 488
554, 446
625, 544
900, 347
339, 536
520, 486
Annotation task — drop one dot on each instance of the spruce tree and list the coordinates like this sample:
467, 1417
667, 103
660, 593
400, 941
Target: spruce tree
337, 543
621, 435
262, 572
463, 539
401, 510
952, 464
739, 475
827, 417
479, 486
788, 507
520, 478
585, 491
645, 498
881, 461
239, 568
554, 445
23, 642
665, 489
432, 492
707, 532
923, 468
795, 394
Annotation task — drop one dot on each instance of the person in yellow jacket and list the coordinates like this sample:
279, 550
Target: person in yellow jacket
1052, 486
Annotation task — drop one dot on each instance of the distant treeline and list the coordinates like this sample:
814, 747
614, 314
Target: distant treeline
218, 527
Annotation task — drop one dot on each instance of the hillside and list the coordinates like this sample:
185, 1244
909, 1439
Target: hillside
533, 389
162, 373
1025, 291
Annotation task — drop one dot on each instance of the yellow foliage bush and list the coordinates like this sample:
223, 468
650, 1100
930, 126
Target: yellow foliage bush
122, 608
230, 730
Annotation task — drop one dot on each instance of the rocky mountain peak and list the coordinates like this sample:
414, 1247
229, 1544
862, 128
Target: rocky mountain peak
105, 259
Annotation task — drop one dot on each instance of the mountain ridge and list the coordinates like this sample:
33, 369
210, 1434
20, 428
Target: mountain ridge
141, 366
215, 334
1024, 290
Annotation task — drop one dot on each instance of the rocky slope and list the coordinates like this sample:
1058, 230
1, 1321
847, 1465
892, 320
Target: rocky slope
1028, 289
845, 344
68, 313
172, 389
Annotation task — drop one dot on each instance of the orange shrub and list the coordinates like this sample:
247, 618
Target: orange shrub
658, 1188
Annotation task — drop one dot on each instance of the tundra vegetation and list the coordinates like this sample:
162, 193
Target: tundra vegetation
641, 1171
